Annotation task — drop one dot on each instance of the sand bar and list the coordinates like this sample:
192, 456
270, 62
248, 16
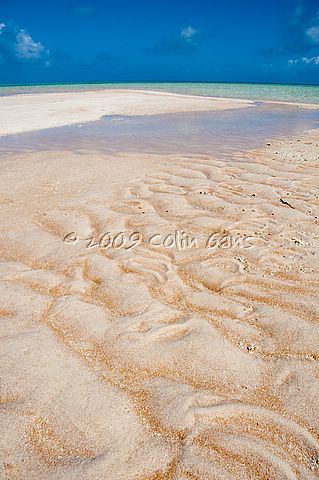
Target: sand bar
22, 113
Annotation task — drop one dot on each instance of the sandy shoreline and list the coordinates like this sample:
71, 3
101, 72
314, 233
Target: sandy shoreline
23, 113
153, 360
29, 112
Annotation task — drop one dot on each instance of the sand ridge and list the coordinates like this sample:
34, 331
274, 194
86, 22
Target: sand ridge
156, 362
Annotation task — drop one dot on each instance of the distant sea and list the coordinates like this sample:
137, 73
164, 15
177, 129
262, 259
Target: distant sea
251, 91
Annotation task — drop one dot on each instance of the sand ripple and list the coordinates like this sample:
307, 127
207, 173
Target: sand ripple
158, 361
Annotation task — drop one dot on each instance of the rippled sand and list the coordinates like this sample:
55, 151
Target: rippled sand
151, 361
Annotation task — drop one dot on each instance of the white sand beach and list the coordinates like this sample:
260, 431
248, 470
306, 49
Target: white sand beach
23, 113
127, 356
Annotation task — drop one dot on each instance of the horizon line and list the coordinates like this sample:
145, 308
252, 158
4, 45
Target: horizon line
99, 82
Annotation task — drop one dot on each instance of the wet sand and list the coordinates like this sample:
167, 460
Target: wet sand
159, 315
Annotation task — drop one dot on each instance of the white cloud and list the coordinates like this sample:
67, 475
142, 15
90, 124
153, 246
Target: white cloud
26, 47
188, 33
186, 41
313, 34
313, 60
18, 46
304, 61
313, 31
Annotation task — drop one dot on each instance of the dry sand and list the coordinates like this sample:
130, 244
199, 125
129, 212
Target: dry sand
156, 361
23, 113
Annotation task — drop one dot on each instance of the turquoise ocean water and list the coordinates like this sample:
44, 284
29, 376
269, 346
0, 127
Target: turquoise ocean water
252, 91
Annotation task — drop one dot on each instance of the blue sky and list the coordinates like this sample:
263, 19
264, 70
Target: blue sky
202, 40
